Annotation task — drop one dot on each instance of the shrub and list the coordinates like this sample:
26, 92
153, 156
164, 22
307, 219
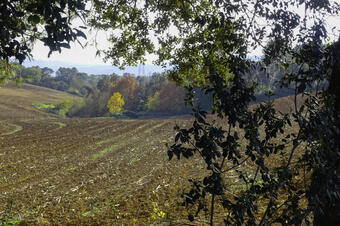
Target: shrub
64, 106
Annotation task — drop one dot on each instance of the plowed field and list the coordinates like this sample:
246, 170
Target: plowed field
97, 171
82, 171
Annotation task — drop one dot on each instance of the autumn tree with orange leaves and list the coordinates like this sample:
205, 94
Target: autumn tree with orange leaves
128, 88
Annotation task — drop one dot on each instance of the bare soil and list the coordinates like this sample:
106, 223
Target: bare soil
87, 171
97, 171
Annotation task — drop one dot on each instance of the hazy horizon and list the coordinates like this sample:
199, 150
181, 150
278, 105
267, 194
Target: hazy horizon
96, 69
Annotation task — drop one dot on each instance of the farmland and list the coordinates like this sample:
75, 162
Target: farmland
72, 170
81, 171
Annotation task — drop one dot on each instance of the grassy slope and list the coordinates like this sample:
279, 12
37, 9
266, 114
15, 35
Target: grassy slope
16, 100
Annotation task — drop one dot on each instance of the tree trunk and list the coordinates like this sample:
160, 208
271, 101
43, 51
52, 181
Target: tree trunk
331, 208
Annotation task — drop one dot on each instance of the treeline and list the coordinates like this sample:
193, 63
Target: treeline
141, 94
66, 79
136, 95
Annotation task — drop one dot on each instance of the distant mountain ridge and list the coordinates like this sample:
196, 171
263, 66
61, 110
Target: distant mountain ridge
97, 69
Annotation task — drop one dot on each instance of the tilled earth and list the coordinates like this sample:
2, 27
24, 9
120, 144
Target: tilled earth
89, 171
82, 171
97, 171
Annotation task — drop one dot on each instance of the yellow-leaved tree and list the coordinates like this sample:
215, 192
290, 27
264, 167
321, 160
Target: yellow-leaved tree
115, 103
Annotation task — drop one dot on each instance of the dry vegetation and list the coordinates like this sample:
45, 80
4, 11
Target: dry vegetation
16, 102
83, 171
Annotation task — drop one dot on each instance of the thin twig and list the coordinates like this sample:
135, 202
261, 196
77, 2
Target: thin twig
233, 167
257, 170
212, 210
265, 213
229, 131
293, 149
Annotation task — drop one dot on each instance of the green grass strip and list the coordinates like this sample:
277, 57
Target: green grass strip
103, 152
60, 124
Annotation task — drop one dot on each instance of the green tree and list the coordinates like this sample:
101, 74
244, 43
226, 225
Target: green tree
47, 71
25, 22
73, 80
46, 75
77, 83
116, 103
206, 43
105, 81
63, 106
148, 86
66, 74
31, 74
153, 103
10, 70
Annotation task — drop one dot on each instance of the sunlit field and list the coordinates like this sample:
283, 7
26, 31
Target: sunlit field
90, 170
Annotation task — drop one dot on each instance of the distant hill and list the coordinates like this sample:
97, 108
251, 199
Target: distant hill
96, 69
16, 101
